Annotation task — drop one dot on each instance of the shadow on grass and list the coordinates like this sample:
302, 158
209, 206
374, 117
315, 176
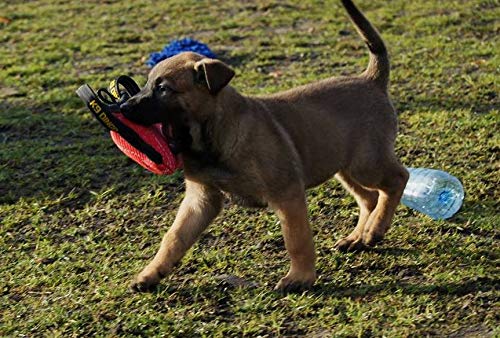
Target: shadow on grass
234, 61
219, 293
472, 286
461, 223
485, 105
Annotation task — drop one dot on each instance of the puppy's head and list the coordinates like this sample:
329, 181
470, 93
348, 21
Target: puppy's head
180, 91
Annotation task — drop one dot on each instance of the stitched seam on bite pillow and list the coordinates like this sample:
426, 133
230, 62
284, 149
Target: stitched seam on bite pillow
157, 138
137, 156
154, 137
165, 149
141, 159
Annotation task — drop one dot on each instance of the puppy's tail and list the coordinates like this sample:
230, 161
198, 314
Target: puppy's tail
378, 67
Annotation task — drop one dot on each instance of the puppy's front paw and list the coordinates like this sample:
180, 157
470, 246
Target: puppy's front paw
295, 282
145, 281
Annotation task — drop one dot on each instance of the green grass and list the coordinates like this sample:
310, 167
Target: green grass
78, 219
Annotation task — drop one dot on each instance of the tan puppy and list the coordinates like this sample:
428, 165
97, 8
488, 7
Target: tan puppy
269, 150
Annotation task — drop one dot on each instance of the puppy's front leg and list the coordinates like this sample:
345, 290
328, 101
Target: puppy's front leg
200, 206
298, 242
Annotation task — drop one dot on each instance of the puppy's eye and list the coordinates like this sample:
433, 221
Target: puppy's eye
164, 88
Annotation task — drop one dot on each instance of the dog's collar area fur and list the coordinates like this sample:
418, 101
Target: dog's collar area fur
205, 153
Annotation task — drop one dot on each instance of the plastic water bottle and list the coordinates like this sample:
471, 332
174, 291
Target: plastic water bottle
435, 193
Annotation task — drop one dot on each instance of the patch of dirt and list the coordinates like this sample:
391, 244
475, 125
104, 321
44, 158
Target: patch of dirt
479, 331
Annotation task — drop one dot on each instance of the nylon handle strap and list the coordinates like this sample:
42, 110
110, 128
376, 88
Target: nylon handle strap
103, 112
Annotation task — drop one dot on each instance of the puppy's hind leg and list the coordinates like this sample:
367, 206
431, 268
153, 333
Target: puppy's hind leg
367, 201
200, 206
390, 188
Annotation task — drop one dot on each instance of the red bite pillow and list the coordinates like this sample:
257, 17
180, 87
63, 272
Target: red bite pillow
155, 138
146, 145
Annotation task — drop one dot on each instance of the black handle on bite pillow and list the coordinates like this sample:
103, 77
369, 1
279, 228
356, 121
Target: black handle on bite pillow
123, 88
103, 112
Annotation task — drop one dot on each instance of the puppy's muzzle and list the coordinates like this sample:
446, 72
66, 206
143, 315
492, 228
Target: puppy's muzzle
141, 109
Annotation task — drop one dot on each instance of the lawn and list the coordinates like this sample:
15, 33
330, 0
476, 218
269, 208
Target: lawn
79, 219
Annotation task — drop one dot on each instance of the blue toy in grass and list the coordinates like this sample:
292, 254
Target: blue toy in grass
178, 46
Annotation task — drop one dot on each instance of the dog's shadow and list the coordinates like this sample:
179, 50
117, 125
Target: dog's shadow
219, 293
470, 286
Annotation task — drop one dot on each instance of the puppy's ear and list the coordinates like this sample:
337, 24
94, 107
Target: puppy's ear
214, 74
